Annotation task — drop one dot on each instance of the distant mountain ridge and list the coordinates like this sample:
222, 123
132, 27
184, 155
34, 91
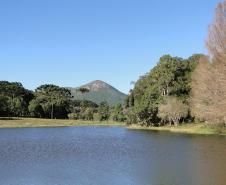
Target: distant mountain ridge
99, 91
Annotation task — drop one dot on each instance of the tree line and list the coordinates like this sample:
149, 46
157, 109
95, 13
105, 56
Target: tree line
181, 91
163, 95
175, 91
209, 79
159, 97
53, 102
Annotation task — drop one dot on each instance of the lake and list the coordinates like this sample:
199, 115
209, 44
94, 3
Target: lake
109, 156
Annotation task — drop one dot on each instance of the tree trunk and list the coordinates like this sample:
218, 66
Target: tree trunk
225, 121
176, 122
52, 112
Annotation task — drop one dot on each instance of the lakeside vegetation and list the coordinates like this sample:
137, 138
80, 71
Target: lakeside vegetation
172, 96
162, 96
53, 102
184, 91
198, 128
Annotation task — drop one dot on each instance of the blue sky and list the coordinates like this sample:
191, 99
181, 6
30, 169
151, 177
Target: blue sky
72, 42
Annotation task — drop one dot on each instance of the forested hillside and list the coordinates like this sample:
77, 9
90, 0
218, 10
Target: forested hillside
99, 91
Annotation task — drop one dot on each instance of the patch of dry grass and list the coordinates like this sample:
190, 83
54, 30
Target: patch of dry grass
186, 128
35, 122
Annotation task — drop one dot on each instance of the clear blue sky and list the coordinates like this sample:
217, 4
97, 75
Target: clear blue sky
72, 42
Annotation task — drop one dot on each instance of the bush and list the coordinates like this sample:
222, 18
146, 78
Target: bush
173, 110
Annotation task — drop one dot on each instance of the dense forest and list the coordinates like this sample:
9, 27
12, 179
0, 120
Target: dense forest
51, 101
174, 92
163, 95
159, 97
182, 91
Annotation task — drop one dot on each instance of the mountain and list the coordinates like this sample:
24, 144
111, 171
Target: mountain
99, 91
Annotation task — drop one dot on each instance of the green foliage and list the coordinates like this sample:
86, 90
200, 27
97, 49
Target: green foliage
117, 113
4, 109
50, 101
130, 116
82, 109
16, 106
35, 109
14, 99
104, 111
88, 114
171, 77
54, 100
73, 116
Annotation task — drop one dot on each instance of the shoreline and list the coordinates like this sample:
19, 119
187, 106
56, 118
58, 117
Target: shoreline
41, 123
192, 128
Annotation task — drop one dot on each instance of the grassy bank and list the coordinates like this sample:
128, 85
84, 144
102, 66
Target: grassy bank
34, 122
187, 129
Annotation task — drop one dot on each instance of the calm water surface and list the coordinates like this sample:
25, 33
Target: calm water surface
109, 156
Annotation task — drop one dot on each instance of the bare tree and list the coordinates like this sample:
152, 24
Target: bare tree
216, 41
173, 110
209, 78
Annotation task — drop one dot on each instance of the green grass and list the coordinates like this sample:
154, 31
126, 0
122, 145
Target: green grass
35, 122
187, 129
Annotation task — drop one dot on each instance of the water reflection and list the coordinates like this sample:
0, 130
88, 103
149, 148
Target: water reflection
112, 156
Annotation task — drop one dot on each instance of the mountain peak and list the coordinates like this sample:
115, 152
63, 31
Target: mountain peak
99, 91
97, 85
98, 81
